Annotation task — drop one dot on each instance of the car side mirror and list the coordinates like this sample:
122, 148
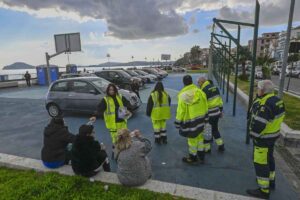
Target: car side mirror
95, 92
117, 76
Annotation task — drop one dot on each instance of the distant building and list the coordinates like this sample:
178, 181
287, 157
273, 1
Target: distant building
265, 44
295, 36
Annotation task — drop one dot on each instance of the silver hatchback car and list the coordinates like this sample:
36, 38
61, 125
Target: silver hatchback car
82, 94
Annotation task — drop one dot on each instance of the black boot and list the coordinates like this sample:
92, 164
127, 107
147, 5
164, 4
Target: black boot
190, 159
221, 148
272, 185
164, 139
158, 140
258, 193
201, 156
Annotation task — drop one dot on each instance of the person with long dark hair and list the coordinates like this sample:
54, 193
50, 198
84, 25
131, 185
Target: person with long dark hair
158, 108
113, 108
88, 155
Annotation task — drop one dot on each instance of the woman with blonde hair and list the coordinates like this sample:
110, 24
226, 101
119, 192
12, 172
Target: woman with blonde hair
134, 167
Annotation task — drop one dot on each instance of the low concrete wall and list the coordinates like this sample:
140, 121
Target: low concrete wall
111, 178
289, 137
17, 83
8, 84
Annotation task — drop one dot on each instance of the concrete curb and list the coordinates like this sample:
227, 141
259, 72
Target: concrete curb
17, 162
289, 136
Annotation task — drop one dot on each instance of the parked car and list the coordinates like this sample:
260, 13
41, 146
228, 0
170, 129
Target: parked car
118, 77
150, 77
73, 75
82, 94
296, 72
134, 74
258, 73
276, 70
162, 72
178, 69
154, 72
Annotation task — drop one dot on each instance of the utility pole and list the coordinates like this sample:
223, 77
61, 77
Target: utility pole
286, 49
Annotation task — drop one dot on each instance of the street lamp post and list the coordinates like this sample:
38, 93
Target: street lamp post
286, 49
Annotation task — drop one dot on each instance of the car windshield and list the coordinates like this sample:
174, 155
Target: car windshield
125, 74
141, 72
132, 73
101, 83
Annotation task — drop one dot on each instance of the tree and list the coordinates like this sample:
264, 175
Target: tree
195, 54
245, 55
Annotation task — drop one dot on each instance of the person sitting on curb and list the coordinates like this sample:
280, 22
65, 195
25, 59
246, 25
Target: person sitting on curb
88, 156
57, 141
134, 167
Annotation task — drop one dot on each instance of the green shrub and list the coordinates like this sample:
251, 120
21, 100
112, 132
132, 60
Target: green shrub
243, 77
266, 72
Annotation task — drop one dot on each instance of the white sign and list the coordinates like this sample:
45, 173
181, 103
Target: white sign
165, 57
69, 42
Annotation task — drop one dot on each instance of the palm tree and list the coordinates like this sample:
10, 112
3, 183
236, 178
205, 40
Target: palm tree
245, 55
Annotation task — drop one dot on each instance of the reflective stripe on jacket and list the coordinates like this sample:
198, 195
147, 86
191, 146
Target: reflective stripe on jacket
161, 110
214, 100
110, 112
267, 114
192, 111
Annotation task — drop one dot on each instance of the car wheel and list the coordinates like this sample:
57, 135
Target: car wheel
53, 110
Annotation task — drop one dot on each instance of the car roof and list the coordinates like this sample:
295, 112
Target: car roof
114, 70
85, 78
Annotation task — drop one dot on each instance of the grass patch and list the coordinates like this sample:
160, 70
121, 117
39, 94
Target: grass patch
197, 71
292, 105
18, 184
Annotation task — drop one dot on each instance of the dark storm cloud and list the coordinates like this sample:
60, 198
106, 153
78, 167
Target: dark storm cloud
126, 19
272, 13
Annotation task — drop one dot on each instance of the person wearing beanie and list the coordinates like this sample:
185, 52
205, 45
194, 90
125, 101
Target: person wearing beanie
88, 156
191, 116
55, 152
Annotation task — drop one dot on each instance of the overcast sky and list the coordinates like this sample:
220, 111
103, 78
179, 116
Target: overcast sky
124, 28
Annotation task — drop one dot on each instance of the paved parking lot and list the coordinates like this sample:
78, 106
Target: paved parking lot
24, 117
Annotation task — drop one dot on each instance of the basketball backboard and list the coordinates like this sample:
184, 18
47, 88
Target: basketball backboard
69, 42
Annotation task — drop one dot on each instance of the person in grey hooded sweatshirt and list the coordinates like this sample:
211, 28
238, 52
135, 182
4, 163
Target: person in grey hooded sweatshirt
134, 167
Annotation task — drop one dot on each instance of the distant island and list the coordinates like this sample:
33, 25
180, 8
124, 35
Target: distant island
18, 65
22, 65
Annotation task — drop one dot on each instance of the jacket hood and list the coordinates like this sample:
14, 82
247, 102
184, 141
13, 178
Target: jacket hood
53, 129
190, 94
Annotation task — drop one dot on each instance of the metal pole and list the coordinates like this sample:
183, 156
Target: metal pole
228, 72
251, 89
288, 84
48, 68
224, 71
236, 69
286, 49
210, 65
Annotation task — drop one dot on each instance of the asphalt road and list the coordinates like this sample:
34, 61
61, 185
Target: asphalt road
23, 117
294, 86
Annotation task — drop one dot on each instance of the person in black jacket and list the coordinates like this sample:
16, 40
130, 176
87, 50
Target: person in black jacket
27, 77
87, 154
57, 137
135, 88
